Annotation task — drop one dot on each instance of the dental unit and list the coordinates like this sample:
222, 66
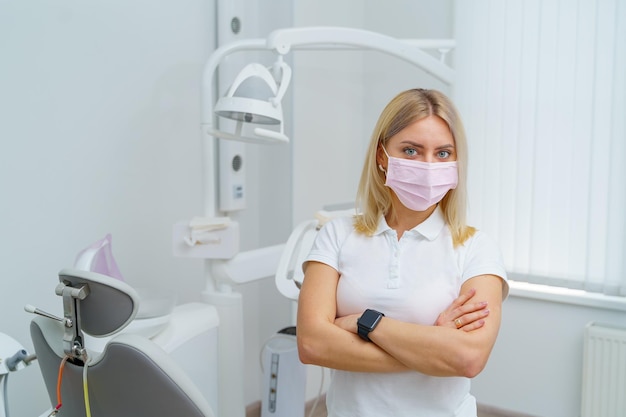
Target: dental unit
89, 297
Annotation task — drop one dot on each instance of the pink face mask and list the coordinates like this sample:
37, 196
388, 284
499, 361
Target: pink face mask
419, 185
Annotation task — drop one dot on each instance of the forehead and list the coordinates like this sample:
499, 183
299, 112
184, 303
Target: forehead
427, 132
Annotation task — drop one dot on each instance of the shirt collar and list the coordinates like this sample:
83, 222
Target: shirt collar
429, 228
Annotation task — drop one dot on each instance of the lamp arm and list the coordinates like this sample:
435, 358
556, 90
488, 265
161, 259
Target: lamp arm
323, 38
247, 266
284, 81
285, 40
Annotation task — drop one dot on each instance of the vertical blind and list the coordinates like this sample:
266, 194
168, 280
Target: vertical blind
541, 87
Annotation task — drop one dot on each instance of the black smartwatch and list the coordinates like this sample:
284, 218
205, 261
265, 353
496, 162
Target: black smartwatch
368, 322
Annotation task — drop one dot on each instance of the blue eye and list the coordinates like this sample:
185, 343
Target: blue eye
443, 154
410, 151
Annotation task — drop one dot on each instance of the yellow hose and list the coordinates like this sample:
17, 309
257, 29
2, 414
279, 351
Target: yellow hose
86, 389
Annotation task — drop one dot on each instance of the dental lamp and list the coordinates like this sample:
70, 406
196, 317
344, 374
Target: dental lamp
266, 110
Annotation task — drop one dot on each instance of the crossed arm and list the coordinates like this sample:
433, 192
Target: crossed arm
438, 350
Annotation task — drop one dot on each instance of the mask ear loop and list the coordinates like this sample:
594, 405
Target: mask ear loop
380, 166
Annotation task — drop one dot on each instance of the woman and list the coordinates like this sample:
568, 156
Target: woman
380, 301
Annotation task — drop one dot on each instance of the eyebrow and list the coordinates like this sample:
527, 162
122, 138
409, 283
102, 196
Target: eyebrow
417, 145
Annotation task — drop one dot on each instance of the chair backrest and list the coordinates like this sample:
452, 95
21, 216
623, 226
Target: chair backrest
132, 376
289, 274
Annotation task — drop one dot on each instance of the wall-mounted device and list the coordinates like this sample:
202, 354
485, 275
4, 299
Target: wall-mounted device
232, 175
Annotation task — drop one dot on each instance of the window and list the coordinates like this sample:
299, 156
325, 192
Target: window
542, 89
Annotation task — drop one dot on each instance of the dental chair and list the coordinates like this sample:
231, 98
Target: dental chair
132, 376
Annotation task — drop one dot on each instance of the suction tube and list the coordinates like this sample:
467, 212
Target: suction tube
14, 360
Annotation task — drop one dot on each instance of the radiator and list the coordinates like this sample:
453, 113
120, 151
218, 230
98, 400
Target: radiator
604, 371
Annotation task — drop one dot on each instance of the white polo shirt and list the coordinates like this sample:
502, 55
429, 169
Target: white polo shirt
412, 279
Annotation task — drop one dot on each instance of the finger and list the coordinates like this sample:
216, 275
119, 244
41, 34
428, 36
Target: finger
473, 326
457, 309
469, 308
471, 318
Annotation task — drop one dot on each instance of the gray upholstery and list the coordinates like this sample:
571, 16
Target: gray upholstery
111, 305
132, 377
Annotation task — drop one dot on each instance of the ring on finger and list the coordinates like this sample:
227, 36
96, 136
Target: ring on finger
458, 323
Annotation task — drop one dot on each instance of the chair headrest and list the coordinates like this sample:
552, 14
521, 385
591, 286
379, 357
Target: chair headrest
110, 305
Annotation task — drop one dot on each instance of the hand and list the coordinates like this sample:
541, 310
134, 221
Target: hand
464, 315
348, 322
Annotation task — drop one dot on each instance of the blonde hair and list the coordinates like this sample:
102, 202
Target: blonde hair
374, 198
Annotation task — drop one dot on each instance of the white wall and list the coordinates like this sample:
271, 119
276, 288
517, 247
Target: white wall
99, 134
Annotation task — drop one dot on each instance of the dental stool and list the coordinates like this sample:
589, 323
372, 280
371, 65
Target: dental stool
132, 376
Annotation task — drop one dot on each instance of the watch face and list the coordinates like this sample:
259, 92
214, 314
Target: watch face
369, 318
